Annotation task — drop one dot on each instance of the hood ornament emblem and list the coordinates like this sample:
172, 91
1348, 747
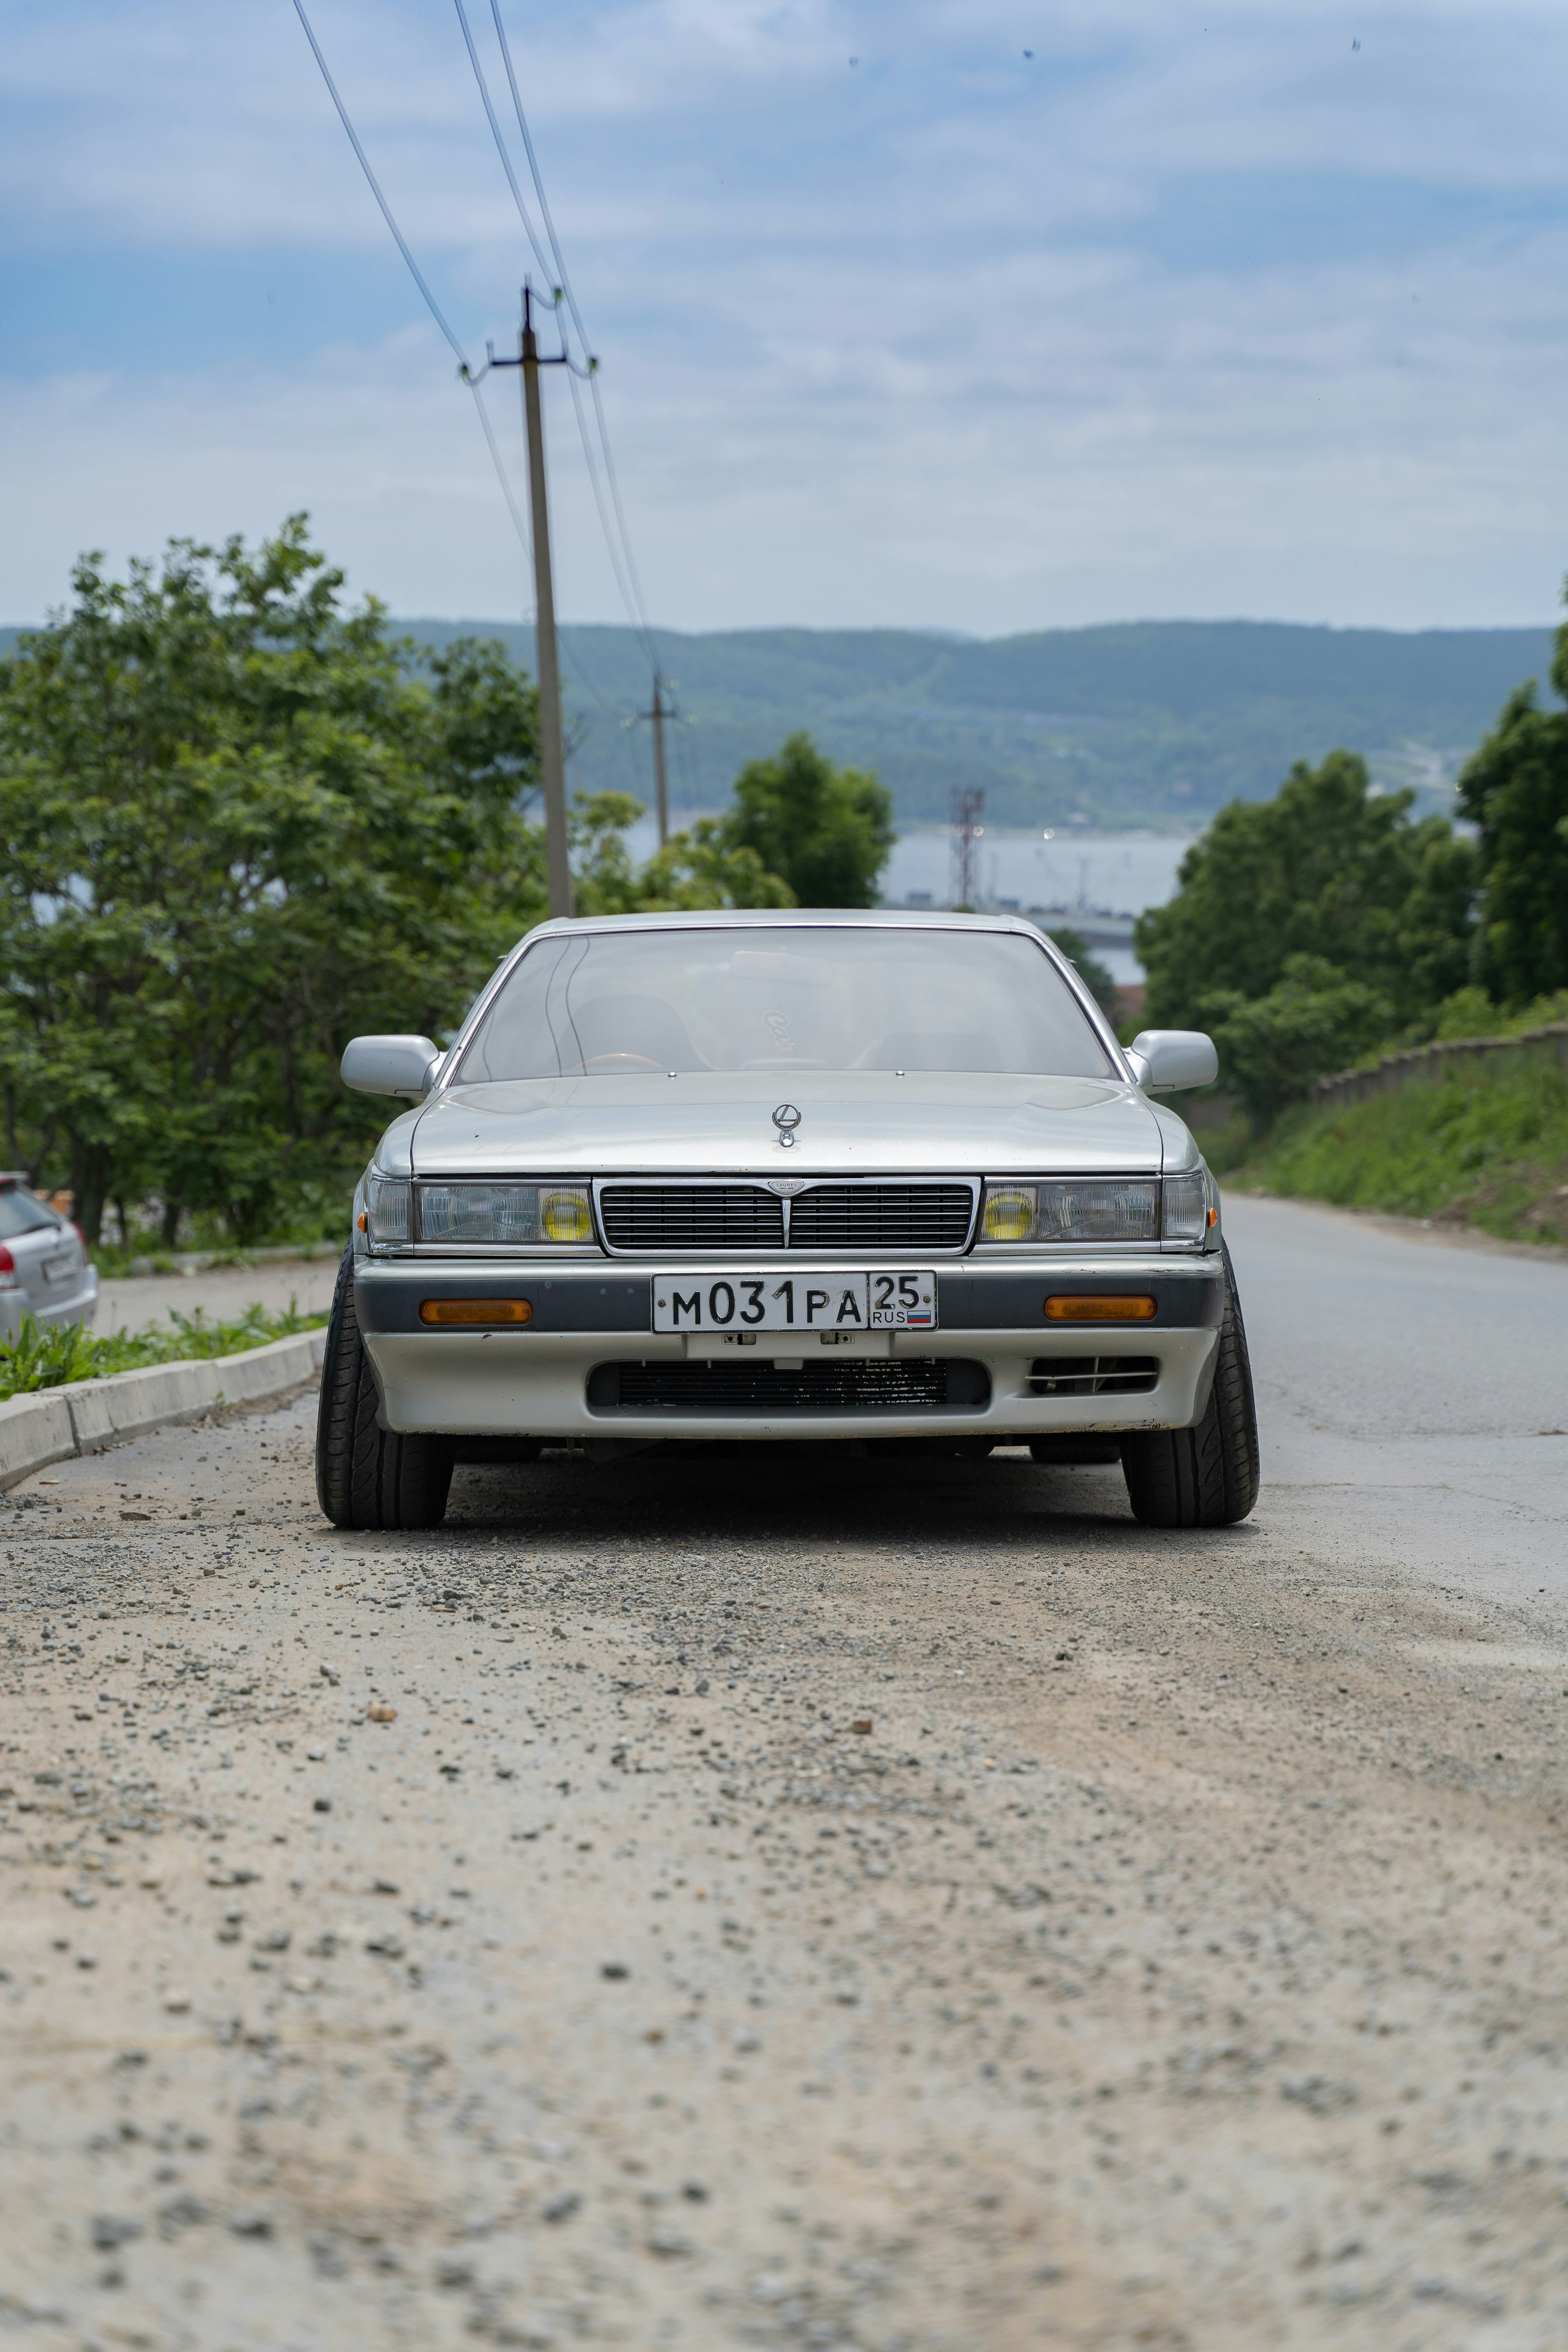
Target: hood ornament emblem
786, 1119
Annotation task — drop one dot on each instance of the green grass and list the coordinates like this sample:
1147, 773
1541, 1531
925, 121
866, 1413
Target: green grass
1486, 1146
48, 1359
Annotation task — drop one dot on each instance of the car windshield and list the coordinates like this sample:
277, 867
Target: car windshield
21, 1213
783, 998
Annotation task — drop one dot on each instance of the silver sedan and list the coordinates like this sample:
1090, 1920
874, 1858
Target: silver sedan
45, 1270
875, 1178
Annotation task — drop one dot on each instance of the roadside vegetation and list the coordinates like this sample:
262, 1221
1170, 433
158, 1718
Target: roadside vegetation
1486, 1147
1322, 929
241, 823
49, 1358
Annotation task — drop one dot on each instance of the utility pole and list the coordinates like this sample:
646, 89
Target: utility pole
661, 789
552, 760
661, 711
966, 809
552, 757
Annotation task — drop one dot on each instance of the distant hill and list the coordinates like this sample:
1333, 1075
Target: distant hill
1152, 722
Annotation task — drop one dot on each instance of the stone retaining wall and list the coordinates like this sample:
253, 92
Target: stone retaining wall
1437, 1061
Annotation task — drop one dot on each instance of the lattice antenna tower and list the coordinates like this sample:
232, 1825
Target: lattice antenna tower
967, 807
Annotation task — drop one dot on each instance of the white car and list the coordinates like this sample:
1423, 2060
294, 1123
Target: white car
45, 1270
886, 1178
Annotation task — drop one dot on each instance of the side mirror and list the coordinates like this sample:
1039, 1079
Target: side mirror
1164, 1060
391, 1065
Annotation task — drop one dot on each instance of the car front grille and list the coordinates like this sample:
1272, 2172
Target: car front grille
692, 1217
876, 1385
881, 1217
1064, 1376
875, 1218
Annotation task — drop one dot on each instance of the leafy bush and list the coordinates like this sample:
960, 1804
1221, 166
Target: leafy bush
1314, 1018
1486, 1145
1471, 1012
239, 827
826, 831
49, 1358
1328, 868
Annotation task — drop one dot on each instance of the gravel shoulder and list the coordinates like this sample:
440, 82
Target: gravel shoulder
1174, 1959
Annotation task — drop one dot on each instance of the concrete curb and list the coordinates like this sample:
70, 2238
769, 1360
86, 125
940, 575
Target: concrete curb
54, 1423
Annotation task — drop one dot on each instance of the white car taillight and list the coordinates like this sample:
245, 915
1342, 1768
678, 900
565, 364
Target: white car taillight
8, 1269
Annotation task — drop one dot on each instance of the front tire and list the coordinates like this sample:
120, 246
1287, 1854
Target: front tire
367, 1476
1209, 1475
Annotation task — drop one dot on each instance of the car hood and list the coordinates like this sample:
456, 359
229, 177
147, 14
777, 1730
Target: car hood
851, 1123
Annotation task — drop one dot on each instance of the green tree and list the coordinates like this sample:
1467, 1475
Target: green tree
1515, 790
1331, 869
1095, 975
701, 868
238, 829
825, 832
1315, 1018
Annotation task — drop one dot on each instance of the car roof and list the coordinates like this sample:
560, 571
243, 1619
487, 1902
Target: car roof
927, 919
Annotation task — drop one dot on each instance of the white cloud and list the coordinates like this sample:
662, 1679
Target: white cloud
1196, 312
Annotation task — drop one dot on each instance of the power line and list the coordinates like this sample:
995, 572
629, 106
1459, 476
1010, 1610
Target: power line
419, 279
603, 517
621, 517
413, 269
439, 316
538, 178
622, 561
511, 505
636, 609
539, 253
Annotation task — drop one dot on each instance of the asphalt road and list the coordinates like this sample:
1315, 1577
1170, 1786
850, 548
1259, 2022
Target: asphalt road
897, 1906
1412, 1392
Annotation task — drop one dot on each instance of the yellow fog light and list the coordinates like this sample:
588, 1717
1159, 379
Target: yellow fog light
1009, 1214
475, 1310
565, 1217
1100, 1306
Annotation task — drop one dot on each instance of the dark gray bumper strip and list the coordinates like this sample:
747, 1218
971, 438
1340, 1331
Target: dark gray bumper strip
1017, 1302
966, 1301
560, 1302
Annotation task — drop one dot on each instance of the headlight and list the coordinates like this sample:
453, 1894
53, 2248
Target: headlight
1009, 1213
386, 1204
1083, 1208
1186, 1210
503, 1215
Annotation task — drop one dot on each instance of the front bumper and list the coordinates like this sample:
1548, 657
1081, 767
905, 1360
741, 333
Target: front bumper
537, 1381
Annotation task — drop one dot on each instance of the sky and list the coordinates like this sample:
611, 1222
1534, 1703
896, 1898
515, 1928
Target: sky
958, 314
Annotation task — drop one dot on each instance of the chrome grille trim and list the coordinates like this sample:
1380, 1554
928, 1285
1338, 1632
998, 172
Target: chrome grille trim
873, 1215
650, 1219
867, 1216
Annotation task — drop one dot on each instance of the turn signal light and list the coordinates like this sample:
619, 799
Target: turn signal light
475, 1310
1100, 1306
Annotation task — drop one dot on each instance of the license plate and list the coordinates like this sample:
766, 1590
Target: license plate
795, 1301
58, 1269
